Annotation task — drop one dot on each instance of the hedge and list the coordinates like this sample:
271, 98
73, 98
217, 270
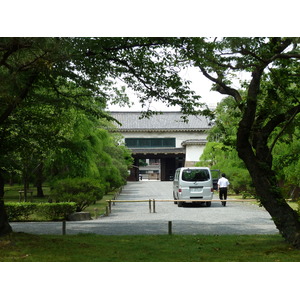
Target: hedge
54, 211
20, 210
51, 211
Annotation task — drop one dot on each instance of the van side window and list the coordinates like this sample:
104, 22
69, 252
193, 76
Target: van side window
195, 175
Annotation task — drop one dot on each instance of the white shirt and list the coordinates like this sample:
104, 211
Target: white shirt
223, 182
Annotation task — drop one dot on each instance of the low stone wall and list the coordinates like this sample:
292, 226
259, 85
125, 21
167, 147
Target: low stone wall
80, 216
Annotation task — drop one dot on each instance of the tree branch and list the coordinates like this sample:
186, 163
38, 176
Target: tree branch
274, 122
288, 55
281, 132
223, 88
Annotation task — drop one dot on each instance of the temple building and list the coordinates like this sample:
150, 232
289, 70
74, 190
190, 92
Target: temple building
162, 143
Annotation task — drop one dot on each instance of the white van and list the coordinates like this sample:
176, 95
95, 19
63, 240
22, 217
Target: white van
192, 183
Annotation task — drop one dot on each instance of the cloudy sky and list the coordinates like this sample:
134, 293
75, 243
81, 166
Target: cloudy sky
200, 85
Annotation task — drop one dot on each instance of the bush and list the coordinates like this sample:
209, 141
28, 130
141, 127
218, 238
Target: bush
19, 211
82, 191
248, 195
50, 211
56, 211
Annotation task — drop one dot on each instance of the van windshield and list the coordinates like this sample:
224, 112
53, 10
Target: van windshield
195, 175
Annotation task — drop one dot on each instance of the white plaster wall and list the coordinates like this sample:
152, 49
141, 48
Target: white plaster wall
193, 152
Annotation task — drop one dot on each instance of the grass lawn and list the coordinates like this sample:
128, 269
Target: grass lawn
292, 204
21, 247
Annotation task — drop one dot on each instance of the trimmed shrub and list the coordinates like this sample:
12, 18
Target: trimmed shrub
20, 210
50, 211
82, 191
56, 211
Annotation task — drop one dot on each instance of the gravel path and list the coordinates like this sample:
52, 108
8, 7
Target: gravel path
135, 218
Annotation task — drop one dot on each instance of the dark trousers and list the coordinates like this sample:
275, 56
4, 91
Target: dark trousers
223, 193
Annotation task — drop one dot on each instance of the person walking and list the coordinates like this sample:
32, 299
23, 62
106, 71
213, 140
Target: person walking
223, 184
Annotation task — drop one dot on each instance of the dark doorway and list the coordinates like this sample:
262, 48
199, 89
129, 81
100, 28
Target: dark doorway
169, 162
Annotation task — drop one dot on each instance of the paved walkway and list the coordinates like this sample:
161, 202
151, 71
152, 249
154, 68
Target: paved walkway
134, 218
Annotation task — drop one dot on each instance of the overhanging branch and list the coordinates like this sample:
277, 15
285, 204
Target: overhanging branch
289, 117
222, 87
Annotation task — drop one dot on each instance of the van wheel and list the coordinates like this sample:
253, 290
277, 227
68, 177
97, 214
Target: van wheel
208, 203
180, 203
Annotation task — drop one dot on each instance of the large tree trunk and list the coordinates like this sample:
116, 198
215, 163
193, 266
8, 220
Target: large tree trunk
270, 196
5, 228
284, 217
1, 186
252, 146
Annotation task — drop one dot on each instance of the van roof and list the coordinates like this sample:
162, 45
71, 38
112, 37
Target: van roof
193, 168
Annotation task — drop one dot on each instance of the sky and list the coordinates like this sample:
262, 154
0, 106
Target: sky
200, 84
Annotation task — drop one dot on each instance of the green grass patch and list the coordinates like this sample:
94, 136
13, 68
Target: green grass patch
12, 194
99, 208
293, 205
153, 248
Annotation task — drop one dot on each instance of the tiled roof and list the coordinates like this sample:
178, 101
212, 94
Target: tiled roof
169, 121
194, 142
